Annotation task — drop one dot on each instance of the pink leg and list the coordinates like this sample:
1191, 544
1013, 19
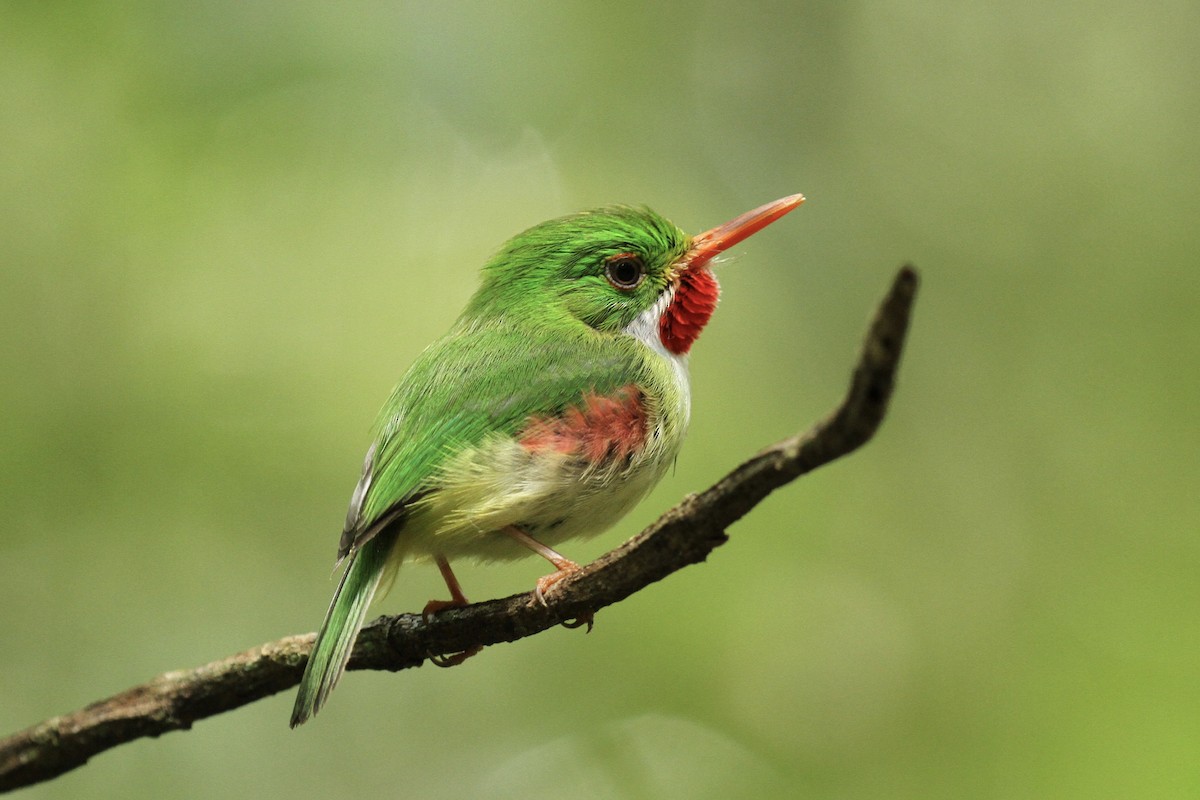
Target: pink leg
457, 600
565, 566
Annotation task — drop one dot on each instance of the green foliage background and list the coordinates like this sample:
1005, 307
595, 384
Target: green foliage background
227, 228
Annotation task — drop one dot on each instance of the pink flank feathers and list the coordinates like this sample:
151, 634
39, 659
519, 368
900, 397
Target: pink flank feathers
603, 429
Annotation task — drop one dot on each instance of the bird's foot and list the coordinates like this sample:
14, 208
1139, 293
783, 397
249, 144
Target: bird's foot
453, 659
588, 619
565, 568
447, 659
434, 606
457, 598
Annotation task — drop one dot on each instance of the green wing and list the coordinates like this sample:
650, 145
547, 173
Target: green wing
468, 385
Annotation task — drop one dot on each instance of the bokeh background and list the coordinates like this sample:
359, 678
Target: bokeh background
227, 228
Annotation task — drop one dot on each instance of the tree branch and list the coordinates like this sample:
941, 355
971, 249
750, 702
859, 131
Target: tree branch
684, 535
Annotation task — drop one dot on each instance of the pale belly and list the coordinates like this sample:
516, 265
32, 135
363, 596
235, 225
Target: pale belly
550, 496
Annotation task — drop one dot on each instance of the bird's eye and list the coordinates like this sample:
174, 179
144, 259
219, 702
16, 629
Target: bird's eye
625, 271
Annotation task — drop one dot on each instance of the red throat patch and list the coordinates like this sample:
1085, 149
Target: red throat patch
694, 302
602, 429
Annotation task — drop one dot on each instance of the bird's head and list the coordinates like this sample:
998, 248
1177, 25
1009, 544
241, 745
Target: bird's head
616, 269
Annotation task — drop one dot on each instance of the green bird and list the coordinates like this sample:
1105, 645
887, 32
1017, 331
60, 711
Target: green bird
554, 404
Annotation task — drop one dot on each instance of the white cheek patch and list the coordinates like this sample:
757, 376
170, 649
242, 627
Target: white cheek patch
645, 328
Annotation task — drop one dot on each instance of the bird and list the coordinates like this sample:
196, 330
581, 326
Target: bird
555, 402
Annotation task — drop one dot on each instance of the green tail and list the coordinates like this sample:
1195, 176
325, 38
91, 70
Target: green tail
336, 638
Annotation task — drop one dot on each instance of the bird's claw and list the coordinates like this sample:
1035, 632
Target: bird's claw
447, 659
452, 659
434, 606
546, 582
588, 619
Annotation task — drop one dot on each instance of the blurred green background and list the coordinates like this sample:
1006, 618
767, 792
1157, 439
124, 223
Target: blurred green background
226, 229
